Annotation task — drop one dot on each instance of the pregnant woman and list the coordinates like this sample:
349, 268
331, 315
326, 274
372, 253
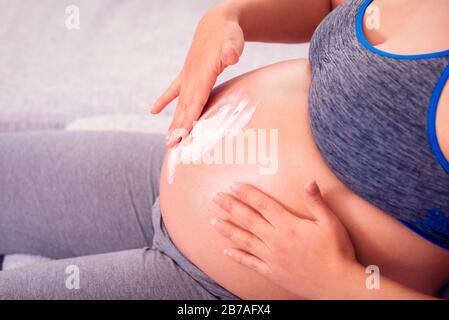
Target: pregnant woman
366, 118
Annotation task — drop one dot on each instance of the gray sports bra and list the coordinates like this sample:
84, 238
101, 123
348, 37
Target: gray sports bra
372, 115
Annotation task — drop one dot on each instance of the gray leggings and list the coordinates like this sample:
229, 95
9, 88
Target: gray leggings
85, 199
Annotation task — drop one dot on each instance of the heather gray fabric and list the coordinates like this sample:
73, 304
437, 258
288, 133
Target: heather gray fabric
87, 199
130, 274
368, 114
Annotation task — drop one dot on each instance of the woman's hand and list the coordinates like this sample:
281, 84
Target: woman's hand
309, 258
217, 44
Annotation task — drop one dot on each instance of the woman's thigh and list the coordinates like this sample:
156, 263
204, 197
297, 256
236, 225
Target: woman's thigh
131, 274
66, 194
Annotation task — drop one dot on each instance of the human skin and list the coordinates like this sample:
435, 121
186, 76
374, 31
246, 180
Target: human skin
377, 238
312, 257
282, 92
219, 41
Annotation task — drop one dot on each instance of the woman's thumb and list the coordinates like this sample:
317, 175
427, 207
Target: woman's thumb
314, 201
231, 52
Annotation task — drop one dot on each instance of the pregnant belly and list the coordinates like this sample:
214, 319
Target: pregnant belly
271, 106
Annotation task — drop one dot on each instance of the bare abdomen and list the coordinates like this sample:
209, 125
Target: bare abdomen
281, 91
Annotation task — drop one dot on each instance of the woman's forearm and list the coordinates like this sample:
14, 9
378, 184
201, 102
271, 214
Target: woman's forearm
353, 286
287, 21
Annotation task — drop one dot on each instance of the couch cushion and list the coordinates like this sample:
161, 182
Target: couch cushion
122, 122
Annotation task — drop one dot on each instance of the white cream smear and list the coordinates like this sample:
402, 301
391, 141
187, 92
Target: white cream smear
226, 117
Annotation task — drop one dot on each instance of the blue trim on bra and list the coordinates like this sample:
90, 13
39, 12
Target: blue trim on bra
367, 45
431, 120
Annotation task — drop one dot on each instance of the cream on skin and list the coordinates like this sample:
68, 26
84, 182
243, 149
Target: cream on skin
227, 117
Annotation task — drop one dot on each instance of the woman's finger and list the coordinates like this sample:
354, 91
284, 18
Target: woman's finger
232, 48
315, 203
270, 209
240, 238
248, 261
193, 94
230, 53
175, 131
244, 216
168, 96
194, 98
